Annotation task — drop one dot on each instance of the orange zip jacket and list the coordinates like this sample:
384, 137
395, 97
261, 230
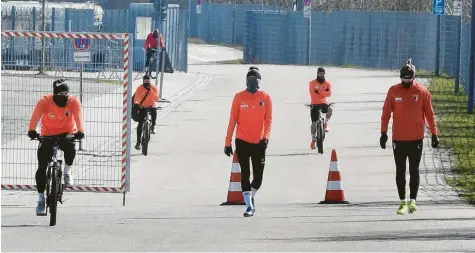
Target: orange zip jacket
57, 120
323, 96
410, 109
152, 96
253, 115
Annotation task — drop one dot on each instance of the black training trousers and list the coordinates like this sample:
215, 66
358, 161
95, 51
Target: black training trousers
45, 154
402, 151
257, 154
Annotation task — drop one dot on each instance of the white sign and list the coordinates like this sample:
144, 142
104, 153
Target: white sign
82, 56
457, 8
198, 8
307, 11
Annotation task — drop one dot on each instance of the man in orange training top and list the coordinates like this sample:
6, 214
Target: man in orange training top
145, 96
252, 112
151, 43
410, 103
320, 90
60, 114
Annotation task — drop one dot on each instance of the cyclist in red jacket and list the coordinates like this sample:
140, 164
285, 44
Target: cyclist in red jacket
151, 44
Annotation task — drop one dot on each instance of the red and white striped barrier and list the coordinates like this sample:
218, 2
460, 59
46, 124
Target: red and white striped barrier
71, 188
65, 35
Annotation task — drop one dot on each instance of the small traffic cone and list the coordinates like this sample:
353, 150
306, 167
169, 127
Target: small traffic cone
335, 193
235, 190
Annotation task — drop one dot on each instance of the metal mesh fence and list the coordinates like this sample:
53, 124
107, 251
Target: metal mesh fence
101, 158
457, 136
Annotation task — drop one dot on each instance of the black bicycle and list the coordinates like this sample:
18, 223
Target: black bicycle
152, 64
146, 128
320, 135
54, 187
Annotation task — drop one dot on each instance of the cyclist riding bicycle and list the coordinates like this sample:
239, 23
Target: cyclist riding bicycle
152, 43
60, 114
320, 90
145, 96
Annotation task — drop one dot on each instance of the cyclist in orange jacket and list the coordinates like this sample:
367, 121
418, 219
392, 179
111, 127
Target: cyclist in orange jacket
147, 93
60, 114
410, 104
251, 111
320, 91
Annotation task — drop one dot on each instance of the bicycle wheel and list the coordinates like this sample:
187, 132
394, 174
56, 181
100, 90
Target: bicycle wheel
320, 137
145, 138
55, 184
153, 70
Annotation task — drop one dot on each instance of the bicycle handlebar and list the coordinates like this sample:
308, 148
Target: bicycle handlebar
317, 105
68, 137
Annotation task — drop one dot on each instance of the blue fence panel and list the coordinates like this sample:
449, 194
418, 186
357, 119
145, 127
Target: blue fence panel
221, 14
448, 56
360, 38
81, 20
115, 21
465, 55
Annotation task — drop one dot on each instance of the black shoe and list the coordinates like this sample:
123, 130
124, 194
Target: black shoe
137, 146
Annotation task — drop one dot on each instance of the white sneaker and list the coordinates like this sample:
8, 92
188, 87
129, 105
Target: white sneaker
68, 179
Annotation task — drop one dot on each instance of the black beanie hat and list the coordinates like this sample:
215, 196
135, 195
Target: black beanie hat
253, 72
60, 85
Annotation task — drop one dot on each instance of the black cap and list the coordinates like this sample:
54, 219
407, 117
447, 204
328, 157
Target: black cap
321, 70
146, 77
60, 85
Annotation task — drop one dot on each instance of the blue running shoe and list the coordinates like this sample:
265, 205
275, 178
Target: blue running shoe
40, 208
249, 212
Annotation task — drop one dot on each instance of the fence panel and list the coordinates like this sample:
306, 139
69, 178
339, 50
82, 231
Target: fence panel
102, 158
465, 55
176, 38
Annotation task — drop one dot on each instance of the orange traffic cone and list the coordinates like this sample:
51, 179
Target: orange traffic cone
235, 191
335, 193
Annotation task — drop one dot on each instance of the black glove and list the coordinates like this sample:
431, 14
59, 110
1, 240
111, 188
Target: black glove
228, 151
383, 139
435, 141
79, 135
33, 134
263, 143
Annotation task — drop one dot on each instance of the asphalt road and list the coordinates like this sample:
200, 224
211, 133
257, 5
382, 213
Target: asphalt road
176, 191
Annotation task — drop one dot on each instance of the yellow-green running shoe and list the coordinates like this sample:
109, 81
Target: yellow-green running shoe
402, 208
412, 206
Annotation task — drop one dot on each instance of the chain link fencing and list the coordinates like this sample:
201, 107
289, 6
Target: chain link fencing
102, 158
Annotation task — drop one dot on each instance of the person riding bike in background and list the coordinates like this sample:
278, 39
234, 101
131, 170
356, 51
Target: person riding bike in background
411, 105
251, 111
60, 114
320, 90
152, 43
147, 93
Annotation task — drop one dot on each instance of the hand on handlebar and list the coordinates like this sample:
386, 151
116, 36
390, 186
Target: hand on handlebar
33, 134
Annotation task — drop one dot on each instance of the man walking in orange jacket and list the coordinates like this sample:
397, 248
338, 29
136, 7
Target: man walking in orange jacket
411, 105
251, 111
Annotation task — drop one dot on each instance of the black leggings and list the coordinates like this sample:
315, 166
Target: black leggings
44, 155
153, 113
257, 154
402, 151
149, 55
